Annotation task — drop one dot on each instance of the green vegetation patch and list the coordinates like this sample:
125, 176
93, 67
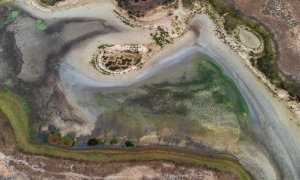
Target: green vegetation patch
53, 138
113, 141
2, 1
40, 25
67, 141
129, 143
189, 4
161, 37
9, 15
14, 14
7, 85
93, 142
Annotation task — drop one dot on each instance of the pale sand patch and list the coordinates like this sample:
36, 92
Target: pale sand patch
145, 172
138, 172
5, 170
249, 39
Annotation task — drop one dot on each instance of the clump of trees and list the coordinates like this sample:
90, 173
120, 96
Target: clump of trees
95, 142
67, 141
113, 141
129, 143
53, 138
56, 139
161, 37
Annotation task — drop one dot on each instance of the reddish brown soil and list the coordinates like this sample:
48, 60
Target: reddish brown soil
285, 25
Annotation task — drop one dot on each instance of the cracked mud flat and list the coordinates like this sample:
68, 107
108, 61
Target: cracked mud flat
57, 80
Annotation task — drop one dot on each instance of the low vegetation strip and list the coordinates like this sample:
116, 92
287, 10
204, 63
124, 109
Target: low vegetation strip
16, 111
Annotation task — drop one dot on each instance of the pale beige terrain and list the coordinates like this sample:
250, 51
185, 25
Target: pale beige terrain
249, 39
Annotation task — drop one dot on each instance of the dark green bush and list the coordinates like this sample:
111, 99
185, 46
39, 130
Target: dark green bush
92, 142
129, 143
113, 141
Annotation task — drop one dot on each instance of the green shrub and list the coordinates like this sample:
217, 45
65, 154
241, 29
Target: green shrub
53, 138
93, 142
181, 109
113, 141
67, 141
293, 88
188, 4
129, 143
40, 25
7, 85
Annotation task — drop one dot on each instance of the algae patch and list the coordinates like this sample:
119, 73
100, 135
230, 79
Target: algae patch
40, 25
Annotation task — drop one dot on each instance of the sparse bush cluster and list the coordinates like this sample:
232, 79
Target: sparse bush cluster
161, 37
188, 3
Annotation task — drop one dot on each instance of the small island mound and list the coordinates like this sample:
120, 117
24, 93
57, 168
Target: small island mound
249, 39
119, 59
